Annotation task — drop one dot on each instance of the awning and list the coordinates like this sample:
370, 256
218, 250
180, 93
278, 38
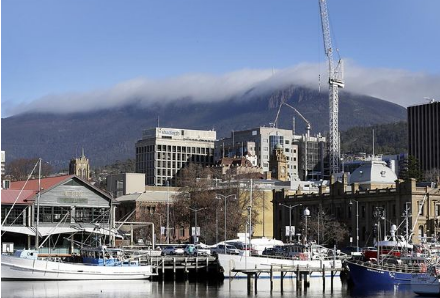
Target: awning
18, 230
44, 231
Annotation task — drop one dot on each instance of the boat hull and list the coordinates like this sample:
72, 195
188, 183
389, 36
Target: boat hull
363, 275
14, 268
425, 284
239, 262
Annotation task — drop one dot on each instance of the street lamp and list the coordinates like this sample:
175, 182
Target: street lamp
306, 214
290, 218
219, 197
357, 223
195, 222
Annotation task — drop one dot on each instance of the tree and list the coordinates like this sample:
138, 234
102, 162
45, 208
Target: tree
411, 169
20, 169
331, 231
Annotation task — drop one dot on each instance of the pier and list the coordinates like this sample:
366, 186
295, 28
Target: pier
184, 267
302, 274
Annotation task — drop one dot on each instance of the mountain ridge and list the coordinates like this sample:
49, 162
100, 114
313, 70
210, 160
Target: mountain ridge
110, 135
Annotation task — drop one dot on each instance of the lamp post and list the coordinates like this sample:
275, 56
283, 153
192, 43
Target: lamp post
290, 217
195, 222
219, 197
306, 214
357, 223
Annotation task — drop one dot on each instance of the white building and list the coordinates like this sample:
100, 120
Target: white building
162, 152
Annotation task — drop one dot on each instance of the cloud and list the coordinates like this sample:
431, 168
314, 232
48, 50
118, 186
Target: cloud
399, 86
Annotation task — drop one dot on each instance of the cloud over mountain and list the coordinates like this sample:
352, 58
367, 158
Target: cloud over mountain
398, 86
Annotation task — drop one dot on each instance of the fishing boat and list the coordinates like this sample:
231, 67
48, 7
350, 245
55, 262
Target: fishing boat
391, 262
427, 283
27, 265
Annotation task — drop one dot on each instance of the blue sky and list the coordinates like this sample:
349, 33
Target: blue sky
61, 55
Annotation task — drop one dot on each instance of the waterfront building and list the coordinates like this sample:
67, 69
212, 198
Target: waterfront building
68, 206
424, 134
80, 166
353, 202
162, 152
151, 206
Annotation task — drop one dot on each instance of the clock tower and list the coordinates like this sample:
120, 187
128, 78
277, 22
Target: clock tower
278, 164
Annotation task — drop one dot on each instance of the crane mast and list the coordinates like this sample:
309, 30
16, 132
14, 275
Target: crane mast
335, 82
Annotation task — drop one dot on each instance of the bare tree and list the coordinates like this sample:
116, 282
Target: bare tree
432, 175
20, 169
331, 231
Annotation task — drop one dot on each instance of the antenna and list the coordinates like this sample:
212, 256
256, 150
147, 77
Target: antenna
373, 142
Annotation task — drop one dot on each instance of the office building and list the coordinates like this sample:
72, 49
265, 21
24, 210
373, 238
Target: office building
424, 134
162, 152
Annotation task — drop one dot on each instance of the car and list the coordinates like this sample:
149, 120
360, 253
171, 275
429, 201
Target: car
197, 250
172, 250
203, 250
230, 249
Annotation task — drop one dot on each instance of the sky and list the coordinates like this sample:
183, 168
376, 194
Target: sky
75, 56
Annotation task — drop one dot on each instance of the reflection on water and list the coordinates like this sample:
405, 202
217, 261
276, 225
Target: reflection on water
235, 288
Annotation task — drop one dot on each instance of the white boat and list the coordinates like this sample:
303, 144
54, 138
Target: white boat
427, 283
242, 262
25, 265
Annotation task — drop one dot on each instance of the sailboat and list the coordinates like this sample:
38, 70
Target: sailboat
27, 265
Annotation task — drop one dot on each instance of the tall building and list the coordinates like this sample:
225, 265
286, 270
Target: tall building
80, 167
162, 152
424, 134
260, 142
312, 152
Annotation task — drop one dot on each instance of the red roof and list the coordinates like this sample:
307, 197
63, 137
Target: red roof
10, 195
46, 183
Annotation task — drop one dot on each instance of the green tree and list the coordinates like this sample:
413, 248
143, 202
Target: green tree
411, 169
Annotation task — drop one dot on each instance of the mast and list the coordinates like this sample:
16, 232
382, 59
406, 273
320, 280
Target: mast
37, 244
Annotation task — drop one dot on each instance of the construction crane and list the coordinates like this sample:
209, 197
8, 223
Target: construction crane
335, 80
308, 128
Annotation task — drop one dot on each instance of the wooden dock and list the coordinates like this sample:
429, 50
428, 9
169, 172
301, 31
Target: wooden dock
302, 275
184, 266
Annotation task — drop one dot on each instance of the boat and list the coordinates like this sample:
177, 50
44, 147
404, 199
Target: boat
230, 263
391, 262
288, 256
427, 283
26, 265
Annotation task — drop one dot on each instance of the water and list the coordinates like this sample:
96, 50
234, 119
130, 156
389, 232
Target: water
154, 289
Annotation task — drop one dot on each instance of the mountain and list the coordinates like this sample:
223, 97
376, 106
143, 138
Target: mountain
110, 135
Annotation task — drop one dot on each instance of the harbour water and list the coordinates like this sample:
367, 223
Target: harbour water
154, 289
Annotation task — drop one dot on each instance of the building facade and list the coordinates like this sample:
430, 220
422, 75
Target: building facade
260, 142
356, 210
68, 207
424, 134
162, 152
